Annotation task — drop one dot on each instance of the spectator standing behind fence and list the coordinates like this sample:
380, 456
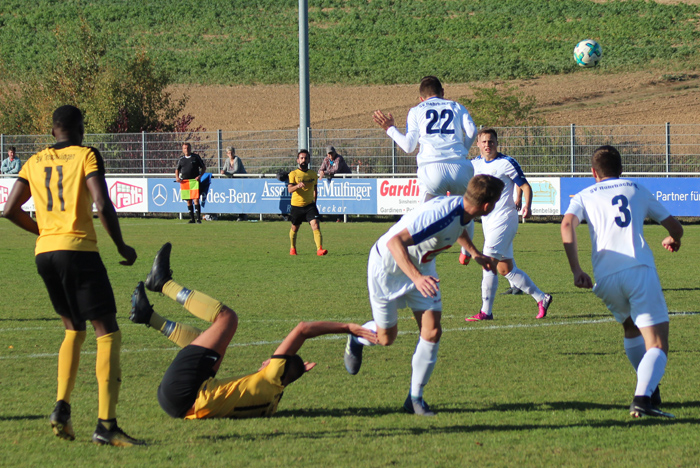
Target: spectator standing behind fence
188, 173
232, 165
333, 164
12, 164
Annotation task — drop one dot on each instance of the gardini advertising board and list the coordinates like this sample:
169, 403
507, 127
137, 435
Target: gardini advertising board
397, 196
680, 196
267, 196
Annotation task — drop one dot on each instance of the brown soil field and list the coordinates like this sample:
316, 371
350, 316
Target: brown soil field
583, 98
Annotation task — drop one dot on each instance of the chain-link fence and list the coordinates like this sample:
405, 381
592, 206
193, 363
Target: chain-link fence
646, 149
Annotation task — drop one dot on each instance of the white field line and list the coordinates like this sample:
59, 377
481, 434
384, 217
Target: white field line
474, 328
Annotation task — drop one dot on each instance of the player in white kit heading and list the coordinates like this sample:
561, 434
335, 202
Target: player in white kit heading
501, 225
623, 266
401, 273
445, 131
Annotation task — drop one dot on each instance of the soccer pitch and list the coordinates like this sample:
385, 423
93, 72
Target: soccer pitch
512, 392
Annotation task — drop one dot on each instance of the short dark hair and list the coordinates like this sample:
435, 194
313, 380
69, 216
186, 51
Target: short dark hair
430, 86
13, 149
303, 151
68, 118
489, 130
607, 161
484, 188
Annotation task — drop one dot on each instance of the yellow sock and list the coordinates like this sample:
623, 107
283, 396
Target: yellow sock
109, 374
68, 360
318, 238
197, 303
293, 238
157, 321
179, 333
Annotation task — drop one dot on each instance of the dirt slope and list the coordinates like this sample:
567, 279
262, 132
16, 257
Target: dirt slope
583, 98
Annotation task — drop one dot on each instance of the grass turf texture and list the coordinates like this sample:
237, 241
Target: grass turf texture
356, 41
516, 391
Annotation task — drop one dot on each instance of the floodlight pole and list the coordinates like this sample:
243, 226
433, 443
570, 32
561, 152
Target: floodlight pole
304, 102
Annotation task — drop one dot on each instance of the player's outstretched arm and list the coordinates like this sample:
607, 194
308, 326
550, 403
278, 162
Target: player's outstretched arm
13, 207
673, 242
568, 237
306, 330
108, 216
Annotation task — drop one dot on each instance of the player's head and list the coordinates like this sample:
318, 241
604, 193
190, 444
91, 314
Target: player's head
303, 159
293, 370
68, 124
487, 141
607, 162
483, 192
186, 149
430, 86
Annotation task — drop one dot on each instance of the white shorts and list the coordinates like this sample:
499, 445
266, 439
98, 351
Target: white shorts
436, 179
498, 239
634, 292
389, 293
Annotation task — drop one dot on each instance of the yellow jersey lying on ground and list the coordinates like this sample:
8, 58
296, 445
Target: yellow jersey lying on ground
253, 396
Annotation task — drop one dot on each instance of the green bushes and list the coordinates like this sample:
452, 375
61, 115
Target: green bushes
358, 42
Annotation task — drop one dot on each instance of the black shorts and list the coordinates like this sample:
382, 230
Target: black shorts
78, 284
190, 368
299, 214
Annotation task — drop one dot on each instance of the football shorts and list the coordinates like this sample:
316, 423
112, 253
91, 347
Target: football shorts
299, 214
499, 237
437, 179
636, 293
77, 283
389, 293
180, 385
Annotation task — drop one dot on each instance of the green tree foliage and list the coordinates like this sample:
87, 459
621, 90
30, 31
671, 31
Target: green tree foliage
502, 107
117, 95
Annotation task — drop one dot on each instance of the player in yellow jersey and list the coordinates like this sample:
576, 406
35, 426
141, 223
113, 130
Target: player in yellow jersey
189, 388
303, 187
64, 180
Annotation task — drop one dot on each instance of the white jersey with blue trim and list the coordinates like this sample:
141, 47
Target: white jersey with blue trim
508, 170
615, 210
434, 226
444, 129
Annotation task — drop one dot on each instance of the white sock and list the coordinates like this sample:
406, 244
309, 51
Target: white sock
489, 286
520, 280
423, 363
510, 283
363, 341
650, 371
635, 350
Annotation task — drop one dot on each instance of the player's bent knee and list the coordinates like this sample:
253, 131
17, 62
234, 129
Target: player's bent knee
432, 335
228, 315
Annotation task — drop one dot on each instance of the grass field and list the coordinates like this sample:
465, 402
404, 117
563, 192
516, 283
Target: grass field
357, 41
512, 392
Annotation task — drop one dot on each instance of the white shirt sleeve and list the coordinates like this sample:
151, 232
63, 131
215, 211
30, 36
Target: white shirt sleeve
409, 141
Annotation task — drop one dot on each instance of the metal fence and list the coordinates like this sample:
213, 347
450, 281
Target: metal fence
646, 149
